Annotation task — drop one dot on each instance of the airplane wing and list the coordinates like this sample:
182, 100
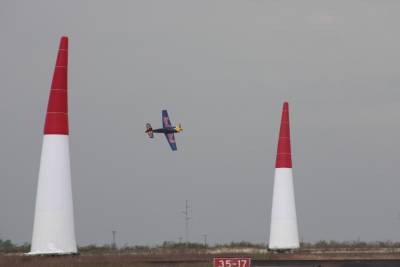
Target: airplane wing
171, 141
170, 136
165, 119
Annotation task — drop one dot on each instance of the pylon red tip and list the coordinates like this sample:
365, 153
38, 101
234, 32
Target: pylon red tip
283, 156
57, 109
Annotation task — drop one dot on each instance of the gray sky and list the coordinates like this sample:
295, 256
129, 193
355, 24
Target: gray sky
222, 69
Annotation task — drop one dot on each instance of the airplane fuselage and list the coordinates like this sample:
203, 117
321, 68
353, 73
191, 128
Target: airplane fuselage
166, 130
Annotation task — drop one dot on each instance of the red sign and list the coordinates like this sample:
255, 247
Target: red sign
232, 262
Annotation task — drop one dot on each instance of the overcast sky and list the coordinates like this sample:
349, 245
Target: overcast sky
222, 69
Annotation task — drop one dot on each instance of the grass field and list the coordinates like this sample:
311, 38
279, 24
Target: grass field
332, 258
97, 261
197, 255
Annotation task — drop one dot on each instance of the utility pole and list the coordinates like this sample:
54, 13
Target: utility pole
186, 212
114, 243
205, 240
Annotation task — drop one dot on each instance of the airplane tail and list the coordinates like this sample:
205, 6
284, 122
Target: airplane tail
149, 130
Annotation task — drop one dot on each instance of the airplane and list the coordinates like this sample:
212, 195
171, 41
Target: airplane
168, 130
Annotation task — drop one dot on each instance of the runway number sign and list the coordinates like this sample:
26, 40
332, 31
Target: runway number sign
232, 262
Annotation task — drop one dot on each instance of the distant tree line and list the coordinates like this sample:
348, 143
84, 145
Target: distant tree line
351, 244
7, 246
179, 247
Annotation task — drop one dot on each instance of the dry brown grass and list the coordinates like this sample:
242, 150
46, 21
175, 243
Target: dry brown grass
97, 261
190, 257
178, 260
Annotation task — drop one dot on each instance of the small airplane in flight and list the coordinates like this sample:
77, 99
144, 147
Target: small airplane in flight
168, 130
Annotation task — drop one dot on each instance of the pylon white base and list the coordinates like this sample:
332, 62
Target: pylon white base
53, 227
283, 232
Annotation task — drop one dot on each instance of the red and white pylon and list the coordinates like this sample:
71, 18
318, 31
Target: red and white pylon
283, 232
53, 227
